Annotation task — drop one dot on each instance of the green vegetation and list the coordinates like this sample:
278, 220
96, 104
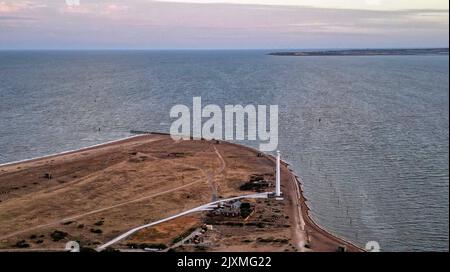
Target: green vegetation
183, 235
255, 183
159, 246
58, 235
246, 209
99, 223
110, 249
22, 244
87, 249
98, 231
272, 240
235, 224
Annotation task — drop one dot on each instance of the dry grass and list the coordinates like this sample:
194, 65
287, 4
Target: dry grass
121, 185
97, 194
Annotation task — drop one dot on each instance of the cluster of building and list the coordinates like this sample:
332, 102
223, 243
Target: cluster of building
229, 209
198, 236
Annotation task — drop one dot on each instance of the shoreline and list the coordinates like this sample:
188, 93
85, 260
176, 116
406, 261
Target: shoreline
365, 52
303, 206
306, 227
68, 152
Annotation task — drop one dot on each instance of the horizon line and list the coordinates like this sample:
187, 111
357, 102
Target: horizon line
217, 49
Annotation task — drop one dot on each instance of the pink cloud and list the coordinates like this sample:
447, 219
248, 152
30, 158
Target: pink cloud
10, 7
112, 8
109, 10
18, 6
153, 24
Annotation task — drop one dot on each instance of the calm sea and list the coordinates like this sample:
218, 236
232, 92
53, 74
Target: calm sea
374, 168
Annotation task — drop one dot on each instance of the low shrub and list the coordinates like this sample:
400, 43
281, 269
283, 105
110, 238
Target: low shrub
99, 223
58, 235
22, 244
183, 235
97, 231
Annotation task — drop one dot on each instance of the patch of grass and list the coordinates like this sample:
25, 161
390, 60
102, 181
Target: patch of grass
256, 177
183, 235
159, 246
273, 240
97, 231
245, 209
58, 235
48, 176
99, 223
201, 248
87, 249
110, 249
264, 240
234, 224
22, 244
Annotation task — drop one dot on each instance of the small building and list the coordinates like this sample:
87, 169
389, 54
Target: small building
232, 209
236, 205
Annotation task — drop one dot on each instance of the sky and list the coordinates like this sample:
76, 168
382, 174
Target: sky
223, 24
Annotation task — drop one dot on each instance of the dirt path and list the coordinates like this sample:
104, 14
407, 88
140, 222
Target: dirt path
224, 164
291, 193
204, 207
73, 217
298, 231
207, 174
306, 235
211, 176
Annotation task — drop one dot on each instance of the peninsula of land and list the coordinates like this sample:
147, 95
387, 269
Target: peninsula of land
366, 52
151, 193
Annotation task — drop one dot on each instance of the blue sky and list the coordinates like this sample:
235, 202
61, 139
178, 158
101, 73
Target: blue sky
219, 24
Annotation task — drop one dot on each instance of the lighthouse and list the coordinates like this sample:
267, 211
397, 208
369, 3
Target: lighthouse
278, 177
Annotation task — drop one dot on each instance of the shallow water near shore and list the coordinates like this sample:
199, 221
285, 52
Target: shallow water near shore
367, 135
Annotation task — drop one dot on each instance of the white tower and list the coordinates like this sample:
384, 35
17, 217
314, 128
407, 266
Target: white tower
278, 176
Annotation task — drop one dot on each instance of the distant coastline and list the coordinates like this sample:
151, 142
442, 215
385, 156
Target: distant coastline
365, 52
